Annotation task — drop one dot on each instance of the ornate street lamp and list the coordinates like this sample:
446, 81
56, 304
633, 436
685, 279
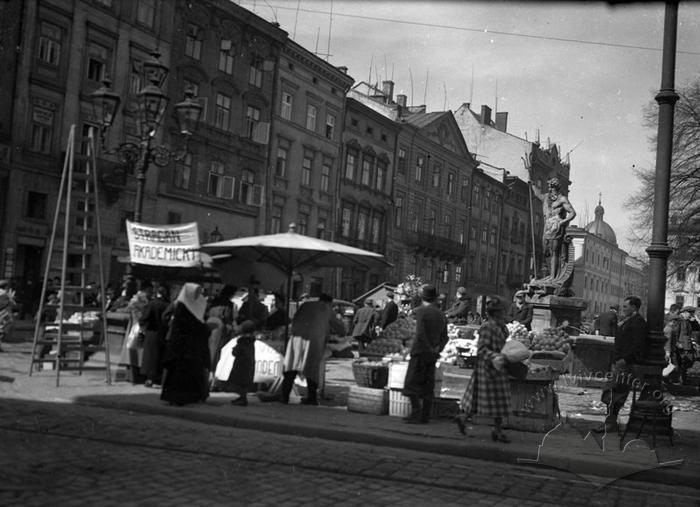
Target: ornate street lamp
152, 105
215, 236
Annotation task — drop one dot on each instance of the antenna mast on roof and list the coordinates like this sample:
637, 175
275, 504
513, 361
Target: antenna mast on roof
318, 34
411, 76
369, 78
330, 27
296, 18
425, 91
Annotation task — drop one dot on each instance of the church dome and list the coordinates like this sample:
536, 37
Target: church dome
600, 227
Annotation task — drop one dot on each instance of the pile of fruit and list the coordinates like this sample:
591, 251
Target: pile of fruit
384, 347
694, 371
553, 338
518, 332
402, 329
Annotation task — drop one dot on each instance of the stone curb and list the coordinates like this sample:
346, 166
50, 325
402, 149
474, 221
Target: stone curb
472, 448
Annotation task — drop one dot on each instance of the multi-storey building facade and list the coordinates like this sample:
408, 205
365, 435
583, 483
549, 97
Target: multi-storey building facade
67, 49
225, 54
487, 207
229, 58
305, 150
604, 274
364, 191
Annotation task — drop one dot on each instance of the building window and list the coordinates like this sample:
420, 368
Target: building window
465, 190
256, 72
472, 232
350, 161
362, 219
458, 274
476, 197
493, 236
398, 210
226, 56
415, 217
42, 129
302, 223
223, 111
402, 161
680, 274
380, 176
485, 234
98, 59
375, 229
367, 163
450, 183
219, 185
325, 177
448, 226
321, 228
276, 220
247, 184
135, 78
36, 205
193, 41
330, 126
174, 218
281, 167
145, 12
287, 101
346, 222
252, 117
311, 112
420, 163
306, 171
49, 44
432, 222
183, 171
462, 231
437, 169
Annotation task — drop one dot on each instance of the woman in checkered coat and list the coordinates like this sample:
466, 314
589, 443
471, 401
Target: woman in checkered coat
488, 391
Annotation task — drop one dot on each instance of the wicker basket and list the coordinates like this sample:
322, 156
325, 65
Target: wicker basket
370, 375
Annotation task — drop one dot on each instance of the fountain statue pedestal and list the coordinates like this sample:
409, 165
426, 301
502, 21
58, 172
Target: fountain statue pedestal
552, 311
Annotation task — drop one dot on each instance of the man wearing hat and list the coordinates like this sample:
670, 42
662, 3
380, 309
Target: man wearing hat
431, 338
521, 310
6, 307
390, 312
607, 322
460, 309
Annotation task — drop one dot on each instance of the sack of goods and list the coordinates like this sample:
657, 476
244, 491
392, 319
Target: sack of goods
515, 351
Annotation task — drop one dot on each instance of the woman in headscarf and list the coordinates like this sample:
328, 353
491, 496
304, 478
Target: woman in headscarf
488, 390
186, 362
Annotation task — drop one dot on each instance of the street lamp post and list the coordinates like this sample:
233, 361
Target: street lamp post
152, 105
659, 250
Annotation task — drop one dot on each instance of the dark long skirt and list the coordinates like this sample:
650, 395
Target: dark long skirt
151, 365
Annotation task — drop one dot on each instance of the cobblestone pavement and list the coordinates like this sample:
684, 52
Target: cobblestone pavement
63, 454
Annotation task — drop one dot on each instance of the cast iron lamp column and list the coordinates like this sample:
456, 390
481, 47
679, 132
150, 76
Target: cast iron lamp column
659, 250
152, 105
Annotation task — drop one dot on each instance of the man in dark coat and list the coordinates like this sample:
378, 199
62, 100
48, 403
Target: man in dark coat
607, 322
460, 309
364, 322
431, 338
253, 309
154, 330
629, 350
390, 312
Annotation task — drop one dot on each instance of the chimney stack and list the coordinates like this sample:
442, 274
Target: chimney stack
501, 121
401, 100
485, 115
343, 69
388, 91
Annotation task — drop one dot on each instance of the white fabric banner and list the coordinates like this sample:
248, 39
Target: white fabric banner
164, 245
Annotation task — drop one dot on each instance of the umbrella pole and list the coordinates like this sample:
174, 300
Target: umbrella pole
288, 298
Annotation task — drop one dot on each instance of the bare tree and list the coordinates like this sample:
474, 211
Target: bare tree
684, 202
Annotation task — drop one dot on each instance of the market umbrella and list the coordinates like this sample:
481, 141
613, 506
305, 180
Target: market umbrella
290, 252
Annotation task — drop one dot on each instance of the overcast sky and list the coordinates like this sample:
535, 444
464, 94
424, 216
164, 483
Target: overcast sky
580, 74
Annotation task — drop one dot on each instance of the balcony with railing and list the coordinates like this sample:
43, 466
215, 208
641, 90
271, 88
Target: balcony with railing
432, 244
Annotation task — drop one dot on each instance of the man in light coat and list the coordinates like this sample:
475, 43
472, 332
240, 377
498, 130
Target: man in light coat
311, 327
364, 322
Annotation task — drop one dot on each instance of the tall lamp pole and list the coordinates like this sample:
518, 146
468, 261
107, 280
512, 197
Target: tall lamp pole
152, 105
659, 250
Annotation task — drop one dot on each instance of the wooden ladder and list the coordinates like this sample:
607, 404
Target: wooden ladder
79, 329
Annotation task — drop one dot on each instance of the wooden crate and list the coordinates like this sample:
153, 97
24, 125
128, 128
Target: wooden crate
534, 405
397, 374
400, 405
367, 400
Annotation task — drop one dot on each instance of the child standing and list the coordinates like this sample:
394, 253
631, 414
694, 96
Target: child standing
243, 370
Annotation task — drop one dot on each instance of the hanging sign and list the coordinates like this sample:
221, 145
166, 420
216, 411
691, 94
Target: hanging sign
164, 245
